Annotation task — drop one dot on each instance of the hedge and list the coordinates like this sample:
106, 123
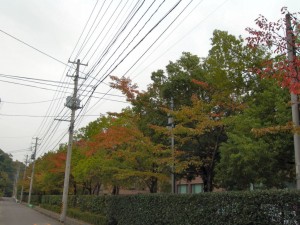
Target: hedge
225, 208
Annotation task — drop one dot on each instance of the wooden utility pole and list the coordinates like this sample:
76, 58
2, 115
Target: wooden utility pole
73, 103
32, 172
294, 97
15, 190
24, 177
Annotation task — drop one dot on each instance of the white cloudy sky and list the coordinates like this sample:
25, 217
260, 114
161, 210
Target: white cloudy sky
54, 26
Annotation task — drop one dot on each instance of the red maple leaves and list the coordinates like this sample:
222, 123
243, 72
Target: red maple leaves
272, 36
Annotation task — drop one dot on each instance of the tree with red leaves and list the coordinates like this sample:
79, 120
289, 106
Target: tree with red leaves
272, 36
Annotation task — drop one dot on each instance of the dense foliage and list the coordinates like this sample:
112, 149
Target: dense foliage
240, 208
221, 107
8, 170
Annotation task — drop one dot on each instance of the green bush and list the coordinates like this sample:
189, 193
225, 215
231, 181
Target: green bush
53, 208
226, 208
94, 204
238, 208
87, 216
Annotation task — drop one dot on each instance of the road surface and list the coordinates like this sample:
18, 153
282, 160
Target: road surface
12, 213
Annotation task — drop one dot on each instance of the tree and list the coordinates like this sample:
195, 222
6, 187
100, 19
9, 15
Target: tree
49, 172
272, 36
262, 157
205, 91
120, 155
281, 38
7, 174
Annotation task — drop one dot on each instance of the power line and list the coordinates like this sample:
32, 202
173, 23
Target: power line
184, 36
19, 150
30, 103
46, 123
48, 89
143, 38
111, 68
117, 35
17, 137
34, 48
26, 78
118, 14
84, 41
84, 27
34, 116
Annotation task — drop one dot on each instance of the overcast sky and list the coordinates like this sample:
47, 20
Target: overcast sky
53, 27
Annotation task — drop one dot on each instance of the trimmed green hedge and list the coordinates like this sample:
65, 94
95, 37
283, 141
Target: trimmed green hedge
244, 208
225, 208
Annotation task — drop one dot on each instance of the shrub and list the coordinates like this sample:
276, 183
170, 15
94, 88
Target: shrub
239, 208
226, 208
87, 216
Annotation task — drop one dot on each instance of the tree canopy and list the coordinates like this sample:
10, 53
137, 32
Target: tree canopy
221, 106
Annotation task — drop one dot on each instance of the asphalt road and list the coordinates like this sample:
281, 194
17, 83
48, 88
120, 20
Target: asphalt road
12, 213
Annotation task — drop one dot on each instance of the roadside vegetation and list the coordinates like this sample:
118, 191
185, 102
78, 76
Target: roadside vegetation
232, 127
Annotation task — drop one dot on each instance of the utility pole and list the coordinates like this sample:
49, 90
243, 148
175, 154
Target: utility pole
32, 172
73, 103
290, 42
24, 176
171, 126
15, 191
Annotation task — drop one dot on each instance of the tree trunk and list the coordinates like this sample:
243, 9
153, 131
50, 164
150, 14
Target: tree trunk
153, 185
75, 187
207, 172
96, 189
206, 178
115, 190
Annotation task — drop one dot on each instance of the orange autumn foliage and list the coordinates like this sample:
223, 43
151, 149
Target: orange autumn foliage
111, 138
58, 161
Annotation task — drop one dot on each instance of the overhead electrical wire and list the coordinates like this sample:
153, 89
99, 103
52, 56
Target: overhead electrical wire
52, 126
129, 18
117, 35
155, 11
35, 116
94, 80
85, 107
190, 31
153, 42
86, 37
109, 20
25, 78
34, 48
115, 38
29, 103
112, 25
85, 26
196, 25
51, 107
134, 26
166, 38
108, 72
101, 33
44, 82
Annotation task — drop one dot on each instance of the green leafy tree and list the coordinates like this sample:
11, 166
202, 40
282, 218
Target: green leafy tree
261, 157
7, 173
214, 88
119, 155
49, 172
